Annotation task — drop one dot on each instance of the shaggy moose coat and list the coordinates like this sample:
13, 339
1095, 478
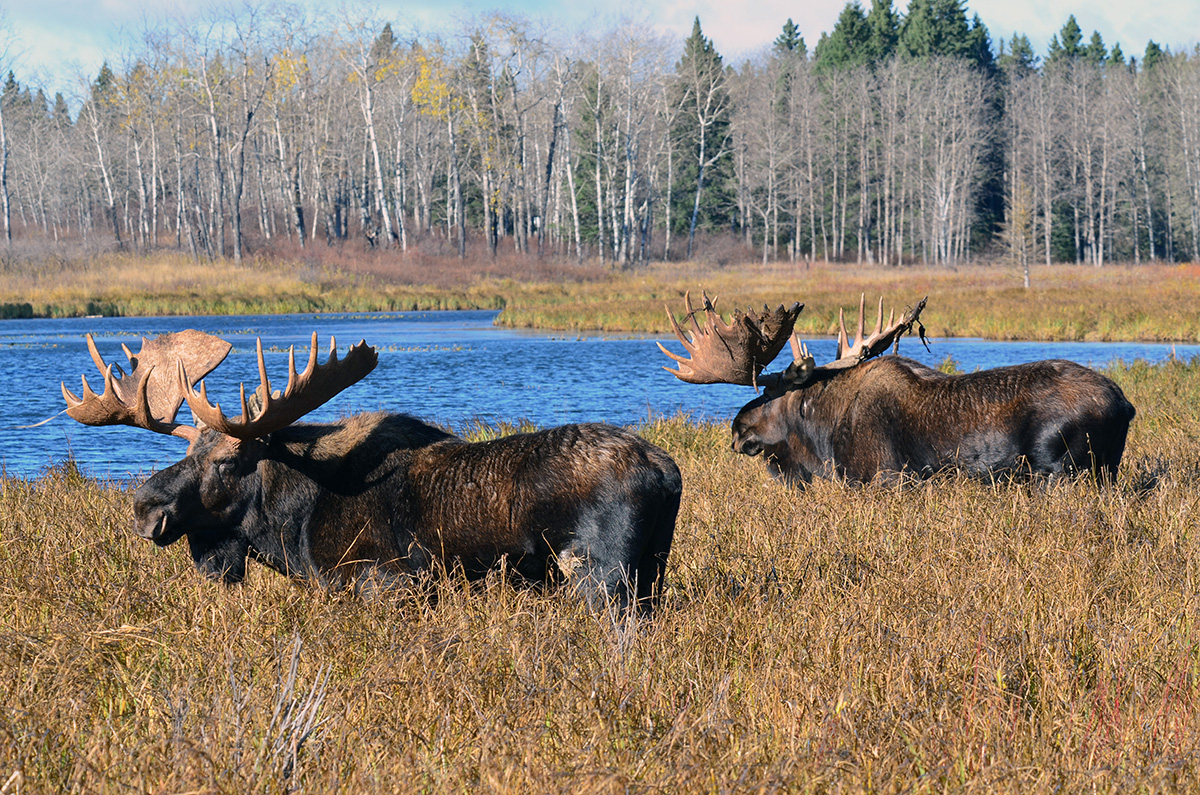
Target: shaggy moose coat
380, 497
893, 414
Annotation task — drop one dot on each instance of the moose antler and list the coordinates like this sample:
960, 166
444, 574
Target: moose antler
150, 394
730, 353
735, 353
304, 392
879, 340
803, 366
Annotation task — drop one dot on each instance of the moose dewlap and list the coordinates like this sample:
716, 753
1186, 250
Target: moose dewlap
378, 497
859, 415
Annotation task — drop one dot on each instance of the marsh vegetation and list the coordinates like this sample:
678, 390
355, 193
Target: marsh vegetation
1144, 303
920, 636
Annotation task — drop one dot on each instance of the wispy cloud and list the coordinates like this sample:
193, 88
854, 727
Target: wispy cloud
59, 38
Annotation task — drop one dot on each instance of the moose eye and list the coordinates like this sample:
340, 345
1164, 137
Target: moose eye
226, 468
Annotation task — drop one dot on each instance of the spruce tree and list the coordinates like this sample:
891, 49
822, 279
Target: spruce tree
105, 84
849, 43
1067, 44
884, 26
12, 90
1095, 52
935, 27
592, 140
703, 195
790, 41
1019, 58
790, 49
979, 46
1154, 55
62, 113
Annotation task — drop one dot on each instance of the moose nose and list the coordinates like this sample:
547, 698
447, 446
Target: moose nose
151, 527
748, 447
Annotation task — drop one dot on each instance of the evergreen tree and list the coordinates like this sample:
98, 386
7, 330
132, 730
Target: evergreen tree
592, 139
62, 113
1066, 45
790, 41
1154, 55
979, 46
1116, 57
1095, 53
884, 26
40, 104
703, 194
849, 43
1019, 58
12, 90
105, 84
936, 27
790, 48
383, 47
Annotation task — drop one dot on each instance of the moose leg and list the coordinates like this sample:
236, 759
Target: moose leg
652, 565
598, 577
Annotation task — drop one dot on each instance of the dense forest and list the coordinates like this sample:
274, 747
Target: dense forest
895, 139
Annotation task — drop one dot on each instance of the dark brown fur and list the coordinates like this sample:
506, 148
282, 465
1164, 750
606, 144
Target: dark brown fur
893, 414
381, 497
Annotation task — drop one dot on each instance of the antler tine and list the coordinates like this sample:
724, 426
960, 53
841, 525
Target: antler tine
798, 372
862, 316
843, 341
262, 376
91, 343
304, 392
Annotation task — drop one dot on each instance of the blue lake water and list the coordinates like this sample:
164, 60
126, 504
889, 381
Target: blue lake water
448, 367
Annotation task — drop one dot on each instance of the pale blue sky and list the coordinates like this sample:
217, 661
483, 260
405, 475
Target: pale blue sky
61, 38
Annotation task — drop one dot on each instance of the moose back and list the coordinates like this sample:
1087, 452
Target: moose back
376, 498
859, 415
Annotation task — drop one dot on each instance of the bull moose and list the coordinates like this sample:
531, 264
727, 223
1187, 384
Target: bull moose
859, 415
378, 497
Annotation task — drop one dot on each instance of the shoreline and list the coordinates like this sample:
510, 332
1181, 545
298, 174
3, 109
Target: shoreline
1118, 303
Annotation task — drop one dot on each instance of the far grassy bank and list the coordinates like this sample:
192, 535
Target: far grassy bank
127, 286
1066, 302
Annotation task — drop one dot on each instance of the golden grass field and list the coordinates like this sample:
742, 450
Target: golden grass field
917, 637
1066, 302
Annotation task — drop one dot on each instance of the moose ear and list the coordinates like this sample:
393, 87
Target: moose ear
798, 373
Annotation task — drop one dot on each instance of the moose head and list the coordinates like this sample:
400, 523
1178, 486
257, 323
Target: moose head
205, 493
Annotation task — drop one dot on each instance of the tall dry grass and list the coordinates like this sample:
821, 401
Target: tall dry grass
949, 634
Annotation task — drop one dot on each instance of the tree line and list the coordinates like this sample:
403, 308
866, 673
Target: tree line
897, 139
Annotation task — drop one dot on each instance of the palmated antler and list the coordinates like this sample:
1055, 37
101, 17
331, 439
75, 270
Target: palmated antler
735, 353
304, 392
150, 394
804, 367
880, 339
730, 353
